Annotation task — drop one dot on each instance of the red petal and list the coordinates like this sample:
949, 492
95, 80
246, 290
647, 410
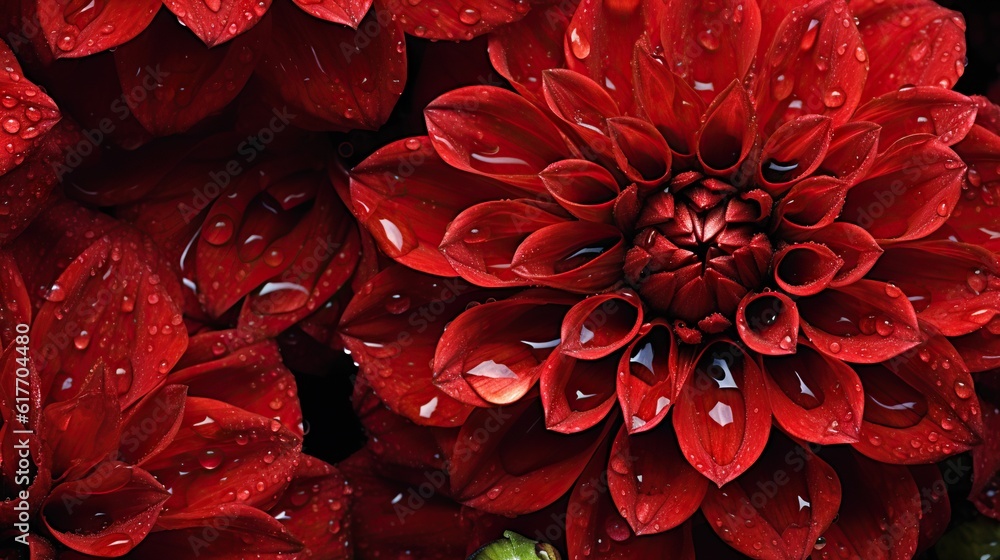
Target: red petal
986, 456
251, 378
217, 21
651, 483
640, 151
576, 393
229, 531
15, 307
150, 425
951, 285
482, 241
909, 192
722, 416
30, 113
315, 487
975, 217
768, 323
457, 20
728, 132
186, 83
115, 303
394, 439
222, 452
920, 110
816, 65
810, 205
347, 12
873, 322
583, 106
667, 101
585, 189
320, 70
106, 513
599, 325
782, 504
580, 257
710, 45
852, 151
496, 133
853, 245
648, 380
805, 269
72, 31
879, 512
794, 151
595, 529
493, 353
521, 467
406, 196
397, 364
919, 407
815, 397
910, 42
12, 360
935, 505
521, 51
980, 350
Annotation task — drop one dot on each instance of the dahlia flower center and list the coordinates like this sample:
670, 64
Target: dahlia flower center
700, 247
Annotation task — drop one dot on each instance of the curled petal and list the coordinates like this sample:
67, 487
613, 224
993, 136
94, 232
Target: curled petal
647, 380
794, 151
768, 323
986, 456
575, 256
854, 246
579, 102
576, 393
585, 189
795, 512
815, 397
493, 353
600, 325
805, 269
852, 151
920, 110
151, 424
457, 19
722, 417
504, 136
935, 503
218, 21
315, 485
810, 205
651, 482
975, 217
873, 322
346, 12
15, 307
667, 101
72, 32
980, 350
523, 50
729, 132
639, 150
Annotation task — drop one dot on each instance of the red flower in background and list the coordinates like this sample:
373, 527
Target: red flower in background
740, 212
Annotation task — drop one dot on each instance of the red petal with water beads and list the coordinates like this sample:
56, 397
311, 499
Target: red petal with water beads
640, 151
13, 359
580, 103
523, 50
935, 504
794, 151
457, 20
186, 83
406, 196
648, 381
986, 456
768, 323
728, 132
600, 325
816, 65
920, 406
852, 244
652, 485
710, 44
873, 322
667, 101
251, 378
223, 454
502, 136
975, 217
72, 31
114, 303
318, 487
810, 205
82, 430
951, 285
493, 353
481, 242
522, 467
585, 189
346, 12
320, 70
722, 416
580, 257
805, 269
852, 151
879, 513
910, 42
106, 513
15, 307
576, 393
26, 113
909, 192
396, 363
780, 507
815, 397
980, 350
239, 531
394, 440
595, 528
218, 21
920, 110
148, 427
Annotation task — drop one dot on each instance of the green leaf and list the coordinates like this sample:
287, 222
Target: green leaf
976, 540
516, 547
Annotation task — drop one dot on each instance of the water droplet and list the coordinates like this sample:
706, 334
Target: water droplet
708, 40
11, 125
834, 347
82, 340
397, 304
220, 231
470, 16
210, 459
820, 543
412, 144
963, 390
833, 98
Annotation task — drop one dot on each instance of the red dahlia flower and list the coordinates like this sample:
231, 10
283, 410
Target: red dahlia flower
144, 442
725, 213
